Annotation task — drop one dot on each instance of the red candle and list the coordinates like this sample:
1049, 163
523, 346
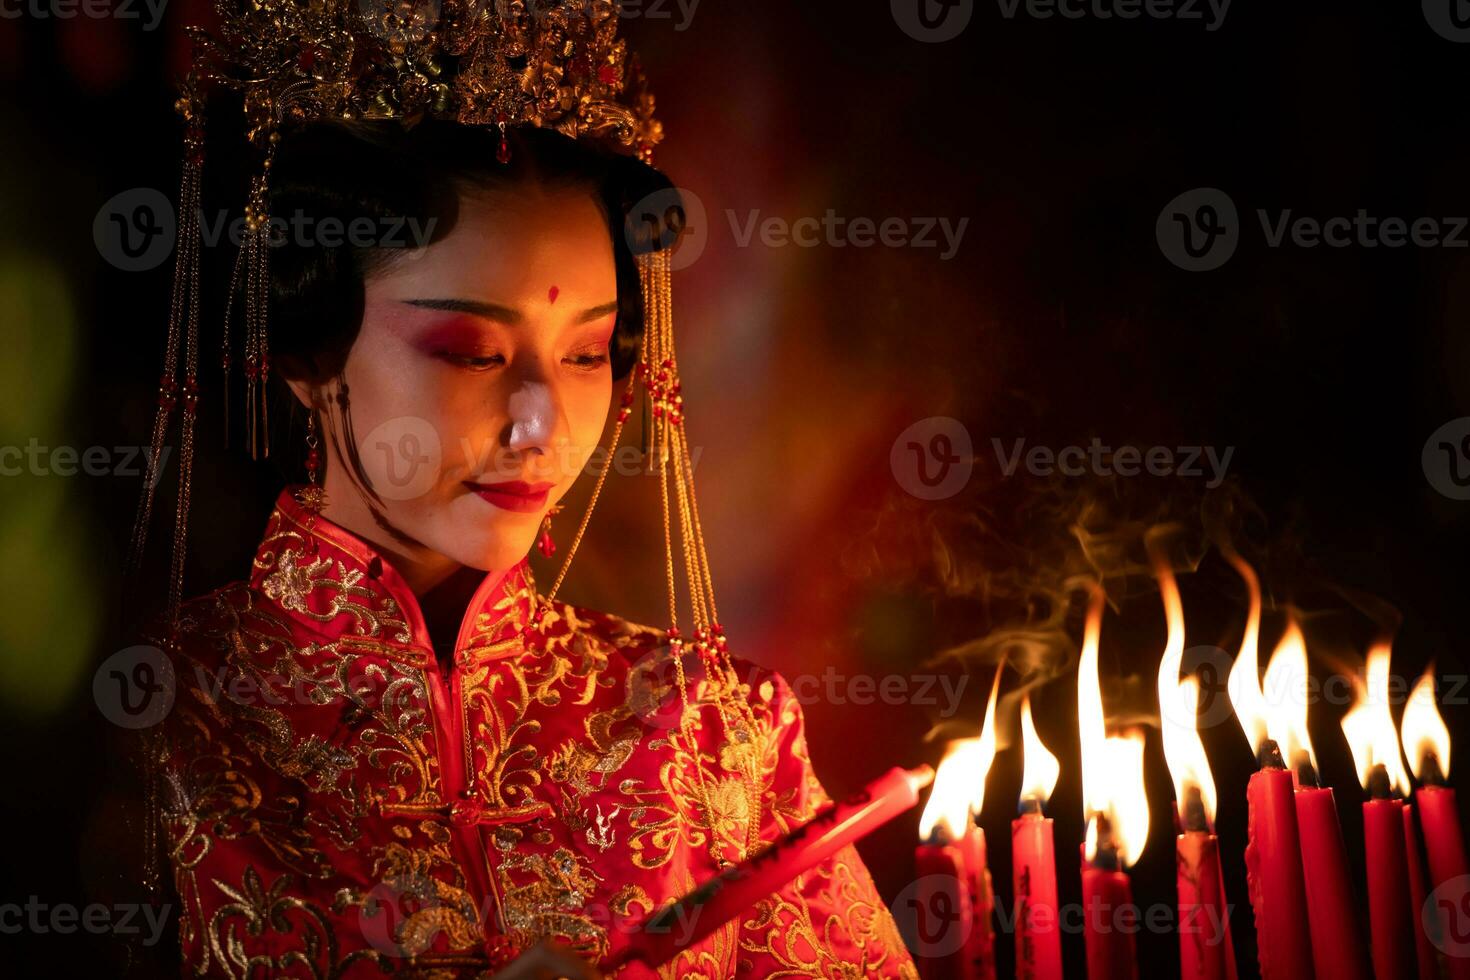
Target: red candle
740, 887
1110, 918
1426, 742
1274, 872
979, 951
1389, 912
1205, 952
1418, 897
1337, 945
1439, 816
1034, 874
944, 912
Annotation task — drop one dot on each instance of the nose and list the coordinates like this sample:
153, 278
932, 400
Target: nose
536, 418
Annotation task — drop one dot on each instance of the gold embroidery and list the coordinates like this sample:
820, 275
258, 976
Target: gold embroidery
427, 890
785, 927
256, 910
550, 901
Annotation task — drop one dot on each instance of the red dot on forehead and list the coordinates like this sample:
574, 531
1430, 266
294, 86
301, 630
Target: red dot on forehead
551, 294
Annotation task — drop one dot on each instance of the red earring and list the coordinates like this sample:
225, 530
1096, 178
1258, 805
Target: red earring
546, 544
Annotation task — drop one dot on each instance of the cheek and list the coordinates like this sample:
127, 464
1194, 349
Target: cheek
587, 408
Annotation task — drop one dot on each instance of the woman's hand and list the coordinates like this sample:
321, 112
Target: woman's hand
548, 961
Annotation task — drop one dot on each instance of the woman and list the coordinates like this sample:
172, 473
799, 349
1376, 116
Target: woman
388, 751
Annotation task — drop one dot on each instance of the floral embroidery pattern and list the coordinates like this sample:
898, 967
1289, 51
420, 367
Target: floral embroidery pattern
339, 804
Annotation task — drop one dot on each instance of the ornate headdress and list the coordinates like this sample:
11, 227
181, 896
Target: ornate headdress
555, 64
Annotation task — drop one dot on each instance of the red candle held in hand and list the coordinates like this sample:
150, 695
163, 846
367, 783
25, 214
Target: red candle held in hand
737, 889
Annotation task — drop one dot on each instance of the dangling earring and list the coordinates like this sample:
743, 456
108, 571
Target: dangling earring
548, 546
313, 496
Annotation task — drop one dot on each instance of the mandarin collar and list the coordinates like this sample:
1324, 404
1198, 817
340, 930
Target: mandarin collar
334, 583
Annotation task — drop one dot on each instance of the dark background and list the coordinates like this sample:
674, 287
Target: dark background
1059, 320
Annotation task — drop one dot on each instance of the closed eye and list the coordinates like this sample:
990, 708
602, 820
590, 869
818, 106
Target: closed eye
471, 362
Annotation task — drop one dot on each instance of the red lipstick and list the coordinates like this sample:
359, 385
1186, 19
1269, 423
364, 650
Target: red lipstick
513, 495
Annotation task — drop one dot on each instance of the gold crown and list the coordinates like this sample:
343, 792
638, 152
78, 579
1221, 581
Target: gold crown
557, 64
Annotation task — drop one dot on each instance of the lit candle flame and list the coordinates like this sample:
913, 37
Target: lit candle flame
1244, 683
1126, 808
1424, 730
1091, 729
1286, 698
959, 785
1179, 704
1112, 767
1369, 725
1041, 769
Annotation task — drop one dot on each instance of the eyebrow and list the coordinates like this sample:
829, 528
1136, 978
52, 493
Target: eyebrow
503, 314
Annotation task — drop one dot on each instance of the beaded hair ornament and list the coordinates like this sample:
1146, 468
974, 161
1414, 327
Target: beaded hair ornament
556, 64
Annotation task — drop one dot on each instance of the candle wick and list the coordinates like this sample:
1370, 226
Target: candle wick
1269, 755
1306, 773
1105, 855
1194, 810
1432, 774
1029, 805
1379, 788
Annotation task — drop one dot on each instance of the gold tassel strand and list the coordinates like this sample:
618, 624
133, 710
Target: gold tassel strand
183, 308
736, 715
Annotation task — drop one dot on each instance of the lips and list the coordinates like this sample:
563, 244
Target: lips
513, 495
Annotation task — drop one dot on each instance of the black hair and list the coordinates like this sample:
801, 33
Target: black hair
407, 180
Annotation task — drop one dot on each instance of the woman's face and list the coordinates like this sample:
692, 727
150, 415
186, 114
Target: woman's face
480, 381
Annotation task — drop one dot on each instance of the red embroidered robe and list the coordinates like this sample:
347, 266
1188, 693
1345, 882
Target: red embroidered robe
336, 804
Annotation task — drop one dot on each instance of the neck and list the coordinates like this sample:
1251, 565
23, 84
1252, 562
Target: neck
422, 569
